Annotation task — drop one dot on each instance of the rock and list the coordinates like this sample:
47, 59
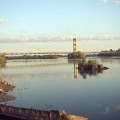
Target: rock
105, 68
4, 97
73, 117
5, 86
1, 91
64, 116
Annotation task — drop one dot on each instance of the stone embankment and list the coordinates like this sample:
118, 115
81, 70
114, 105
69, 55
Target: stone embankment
17, 113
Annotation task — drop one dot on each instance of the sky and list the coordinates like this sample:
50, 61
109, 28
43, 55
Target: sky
50, 25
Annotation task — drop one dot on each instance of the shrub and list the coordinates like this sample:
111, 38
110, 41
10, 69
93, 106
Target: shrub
2, 60
77, 54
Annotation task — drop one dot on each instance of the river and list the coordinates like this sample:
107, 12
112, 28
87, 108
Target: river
57, 84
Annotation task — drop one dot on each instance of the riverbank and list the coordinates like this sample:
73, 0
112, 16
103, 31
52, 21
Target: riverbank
5, 87
110, 53
32, 57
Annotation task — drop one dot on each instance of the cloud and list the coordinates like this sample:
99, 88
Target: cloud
96, 5
105, 1
22, 38
12, 39
116, 2
2, 21
99, 37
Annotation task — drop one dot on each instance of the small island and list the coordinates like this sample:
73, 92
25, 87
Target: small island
91, 65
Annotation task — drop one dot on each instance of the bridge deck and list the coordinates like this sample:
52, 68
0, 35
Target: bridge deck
47, 53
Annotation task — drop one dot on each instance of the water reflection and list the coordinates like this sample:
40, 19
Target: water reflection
49, 64
84, 74
107, 110
75, 69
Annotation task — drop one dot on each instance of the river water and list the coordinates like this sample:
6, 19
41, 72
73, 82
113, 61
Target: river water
57, 84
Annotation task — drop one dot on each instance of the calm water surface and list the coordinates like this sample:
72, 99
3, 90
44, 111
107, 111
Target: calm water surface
56, 84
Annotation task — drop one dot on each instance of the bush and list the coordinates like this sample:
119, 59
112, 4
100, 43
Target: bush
77, 55
2, 60
95, 62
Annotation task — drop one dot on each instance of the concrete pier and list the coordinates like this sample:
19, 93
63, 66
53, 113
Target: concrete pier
17, 113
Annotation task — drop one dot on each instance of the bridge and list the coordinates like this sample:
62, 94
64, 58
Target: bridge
44, 53
36, 53
75, 49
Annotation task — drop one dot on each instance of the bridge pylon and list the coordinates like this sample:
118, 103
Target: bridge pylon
75, 45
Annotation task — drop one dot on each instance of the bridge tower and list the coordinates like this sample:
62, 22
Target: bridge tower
75, 45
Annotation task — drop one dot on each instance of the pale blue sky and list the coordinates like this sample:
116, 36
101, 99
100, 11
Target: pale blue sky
49, 25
